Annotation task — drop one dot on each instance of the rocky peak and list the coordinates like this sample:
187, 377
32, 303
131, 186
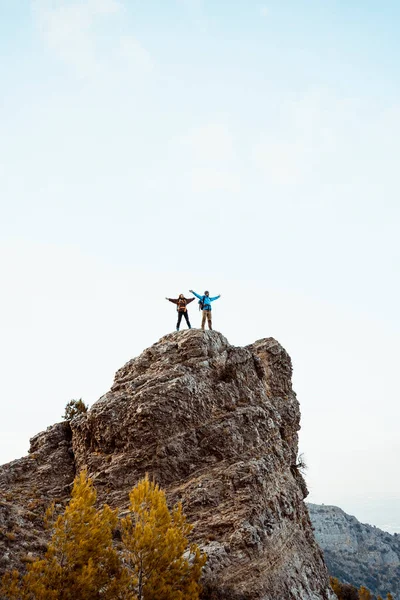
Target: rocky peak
216, 426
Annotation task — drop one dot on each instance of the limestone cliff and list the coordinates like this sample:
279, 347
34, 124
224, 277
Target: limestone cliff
357, 553
216, 426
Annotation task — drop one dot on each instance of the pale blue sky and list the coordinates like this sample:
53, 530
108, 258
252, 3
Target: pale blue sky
246, 147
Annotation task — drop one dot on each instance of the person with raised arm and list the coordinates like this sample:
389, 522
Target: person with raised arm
205, 306
181, 304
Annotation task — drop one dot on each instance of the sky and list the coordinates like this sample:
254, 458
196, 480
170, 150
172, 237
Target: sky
149, 147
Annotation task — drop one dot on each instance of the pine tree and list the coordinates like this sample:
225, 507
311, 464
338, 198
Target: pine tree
344, 591
364, 593
335, 585
156, 542
73, 408
80, 561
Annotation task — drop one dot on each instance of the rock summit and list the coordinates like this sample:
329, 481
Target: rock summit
216, 426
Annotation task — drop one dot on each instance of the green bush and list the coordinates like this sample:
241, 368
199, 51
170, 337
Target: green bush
73, 408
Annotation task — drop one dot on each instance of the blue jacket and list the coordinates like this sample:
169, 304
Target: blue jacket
207, 300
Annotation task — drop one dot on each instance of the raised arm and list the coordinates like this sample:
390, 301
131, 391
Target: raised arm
197, 295
215, 298
172, 300
188, 300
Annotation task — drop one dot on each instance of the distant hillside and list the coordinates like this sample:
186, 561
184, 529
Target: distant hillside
356, 553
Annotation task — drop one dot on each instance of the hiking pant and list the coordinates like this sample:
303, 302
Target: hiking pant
206, 315
183, 314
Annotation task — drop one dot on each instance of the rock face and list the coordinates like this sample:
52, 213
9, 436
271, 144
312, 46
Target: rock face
216, 426
356, 553
27, 487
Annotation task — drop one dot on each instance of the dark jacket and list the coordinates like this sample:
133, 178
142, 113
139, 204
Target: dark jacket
181, 303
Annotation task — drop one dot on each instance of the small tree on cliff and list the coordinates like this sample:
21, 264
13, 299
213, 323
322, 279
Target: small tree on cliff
73, 408
80, 561
344, 591
156, 541
364, 593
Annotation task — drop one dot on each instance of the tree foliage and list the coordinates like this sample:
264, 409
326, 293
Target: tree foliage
73, 408
345, 591
156, 540
364, 593
82, 563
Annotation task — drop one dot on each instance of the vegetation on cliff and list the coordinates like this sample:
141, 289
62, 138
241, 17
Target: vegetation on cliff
345, 591
74, 408
82, 561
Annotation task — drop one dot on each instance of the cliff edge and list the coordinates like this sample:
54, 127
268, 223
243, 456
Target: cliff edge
216, 426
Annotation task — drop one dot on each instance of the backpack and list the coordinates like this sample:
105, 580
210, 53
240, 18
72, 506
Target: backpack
201, 303
181, 306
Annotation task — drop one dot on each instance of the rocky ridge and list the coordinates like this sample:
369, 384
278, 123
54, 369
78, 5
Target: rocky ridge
357, 553
216, 426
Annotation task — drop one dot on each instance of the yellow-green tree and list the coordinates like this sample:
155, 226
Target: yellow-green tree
162, 564
80, 561
335, 585
344, 591
364, 593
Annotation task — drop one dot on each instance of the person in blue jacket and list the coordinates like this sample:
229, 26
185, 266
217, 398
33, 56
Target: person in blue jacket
205, 305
